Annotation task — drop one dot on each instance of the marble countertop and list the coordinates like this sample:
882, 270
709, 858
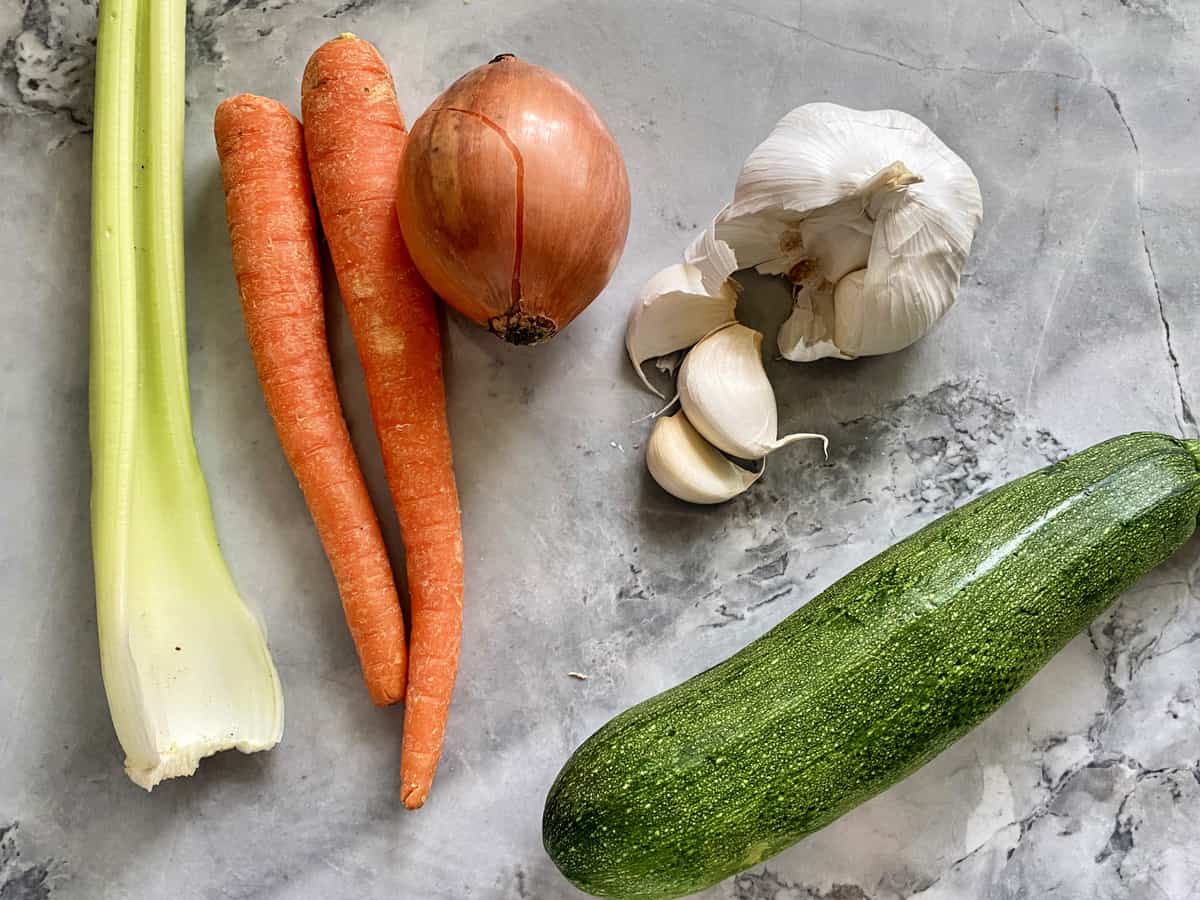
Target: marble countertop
1077, 320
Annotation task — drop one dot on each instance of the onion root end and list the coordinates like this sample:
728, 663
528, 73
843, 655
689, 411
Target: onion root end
523, 329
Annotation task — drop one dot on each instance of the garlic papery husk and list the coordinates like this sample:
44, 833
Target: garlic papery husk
687, 466
724, 392
836, 190
727, 246
673, 312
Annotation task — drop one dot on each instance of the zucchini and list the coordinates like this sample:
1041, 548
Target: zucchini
869, 680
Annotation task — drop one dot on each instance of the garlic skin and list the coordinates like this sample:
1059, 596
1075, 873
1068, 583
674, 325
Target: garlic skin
833, 191
688, 467
673, 312
725, 394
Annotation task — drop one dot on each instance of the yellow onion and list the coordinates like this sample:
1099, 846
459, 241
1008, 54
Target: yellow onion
514, 200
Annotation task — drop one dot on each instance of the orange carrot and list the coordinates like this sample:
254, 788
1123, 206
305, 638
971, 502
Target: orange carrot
355, 135
272, 228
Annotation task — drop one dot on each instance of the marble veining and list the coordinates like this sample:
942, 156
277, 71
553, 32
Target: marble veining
1078, 308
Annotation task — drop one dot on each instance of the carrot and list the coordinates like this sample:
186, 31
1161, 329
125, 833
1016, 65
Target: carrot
272, 228
355, 135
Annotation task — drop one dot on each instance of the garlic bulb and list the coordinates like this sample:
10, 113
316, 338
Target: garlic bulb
688, 467
673, 313
835, 191
725, 394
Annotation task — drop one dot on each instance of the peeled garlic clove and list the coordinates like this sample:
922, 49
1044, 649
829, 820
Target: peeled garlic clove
674, 312
688, 467
724, 392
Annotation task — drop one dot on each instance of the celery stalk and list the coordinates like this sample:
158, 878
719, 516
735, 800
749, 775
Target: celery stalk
186, 665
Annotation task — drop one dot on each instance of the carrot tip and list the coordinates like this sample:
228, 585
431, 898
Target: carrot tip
412, 796
385, 697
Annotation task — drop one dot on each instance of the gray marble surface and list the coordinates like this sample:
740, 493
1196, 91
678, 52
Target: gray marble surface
1077, 320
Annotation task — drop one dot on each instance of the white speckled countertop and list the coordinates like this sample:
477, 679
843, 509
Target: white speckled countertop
1078, 319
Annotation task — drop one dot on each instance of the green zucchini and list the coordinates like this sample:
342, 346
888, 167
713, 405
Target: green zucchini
869, 680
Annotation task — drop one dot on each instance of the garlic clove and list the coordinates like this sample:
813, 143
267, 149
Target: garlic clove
911, 280
849, 290
837, 240
673, 313
852, 315
725, 393
809, 333
688, 467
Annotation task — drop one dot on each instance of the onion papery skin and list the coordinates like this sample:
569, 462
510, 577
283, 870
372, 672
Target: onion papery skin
514, 199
